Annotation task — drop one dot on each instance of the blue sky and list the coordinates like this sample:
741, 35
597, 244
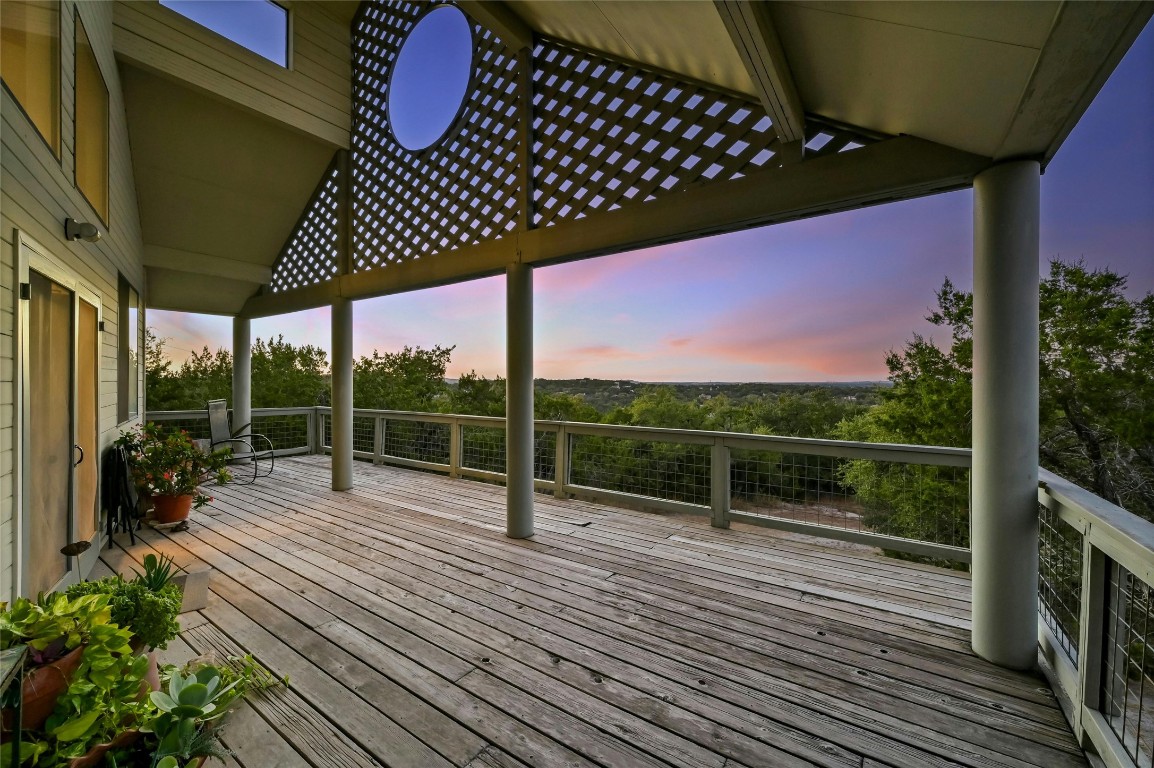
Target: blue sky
815, 300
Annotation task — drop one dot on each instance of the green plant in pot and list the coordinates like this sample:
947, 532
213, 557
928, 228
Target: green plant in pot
146, 605
188, 712
102, 694
57, 630
168, 466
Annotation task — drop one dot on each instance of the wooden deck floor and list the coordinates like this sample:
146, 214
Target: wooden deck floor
415, 634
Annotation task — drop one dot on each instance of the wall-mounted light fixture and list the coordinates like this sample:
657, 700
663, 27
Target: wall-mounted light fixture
80, 230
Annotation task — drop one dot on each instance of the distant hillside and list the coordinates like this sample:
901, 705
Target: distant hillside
607, 394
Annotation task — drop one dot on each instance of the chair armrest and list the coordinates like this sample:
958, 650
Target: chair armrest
240, 430
271, 447
232, 440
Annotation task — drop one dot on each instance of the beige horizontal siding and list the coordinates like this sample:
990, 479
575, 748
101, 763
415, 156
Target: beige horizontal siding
312, 96
37, 194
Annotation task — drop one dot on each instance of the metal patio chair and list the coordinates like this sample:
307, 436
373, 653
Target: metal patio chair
222, 436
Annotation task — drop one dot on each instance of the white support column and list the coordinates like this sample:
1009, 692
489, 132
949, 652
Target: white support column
519, 400
241, 372
1004, 523
342, 394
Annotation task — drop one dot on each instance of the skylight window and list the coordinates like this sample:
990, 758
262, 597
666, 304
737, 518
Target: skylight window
259, 25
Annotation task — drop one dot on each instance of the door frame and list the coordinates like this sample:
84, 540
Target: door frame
31, 256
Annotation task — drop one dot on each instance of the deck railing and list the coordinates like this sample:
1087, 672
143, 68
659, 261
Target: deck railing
905, 498
1096, 622
1097, 619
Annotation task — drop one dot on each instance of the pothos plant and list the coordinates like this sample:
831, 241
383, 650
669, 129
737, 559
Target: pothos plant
168, 463
104, 693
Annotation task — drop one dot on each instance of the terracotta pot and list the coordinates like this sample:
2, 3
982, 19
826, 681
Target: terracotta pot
95, 756
151, 681
171, 509
42, 687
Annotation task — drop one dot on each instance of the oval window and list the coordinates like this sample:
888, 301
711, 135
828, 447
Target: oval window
431, 77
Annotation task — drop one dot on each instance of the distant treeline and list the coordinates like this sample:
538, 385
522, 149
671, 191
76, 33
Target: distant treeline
1097, 395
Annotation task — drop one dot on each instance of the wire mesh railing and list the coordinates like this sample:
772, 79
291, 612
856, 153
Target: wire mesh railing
1096, 568
1060, 579
289, 429
924, 502
654, 469
1127, 695
483, 447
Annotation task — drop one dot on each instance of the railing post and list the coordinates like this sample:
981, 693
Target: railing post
719, 484
311, 430
1092, 629
455, 447
561, 462
378, 438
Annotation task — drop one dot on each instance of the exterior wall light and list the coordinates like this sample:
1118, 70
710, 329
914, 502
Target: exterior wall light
80, 230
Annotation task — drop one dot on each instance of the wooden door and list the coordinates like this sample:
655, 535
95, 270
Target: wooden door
86, 479
49, 431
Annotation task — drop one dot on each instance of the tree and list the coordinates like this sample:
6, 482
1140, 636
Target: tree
1096, 396
410, 380
476, 395
283, 375
287, 376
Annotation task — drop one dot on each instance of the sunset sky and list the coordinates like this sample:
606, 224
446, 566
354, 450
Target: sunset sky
816, 300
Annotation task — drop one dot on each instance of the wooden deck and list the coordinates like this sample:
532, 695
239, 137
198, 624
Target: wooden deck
416, 634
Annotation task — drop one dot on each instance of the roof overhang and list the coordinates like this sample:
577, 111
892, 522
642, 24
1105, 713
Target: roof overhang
962, 85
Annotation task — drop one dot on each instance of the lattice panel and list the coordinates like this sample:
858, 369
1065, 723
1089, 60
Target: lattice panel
607, 133
822, 140
462, 190
310, 256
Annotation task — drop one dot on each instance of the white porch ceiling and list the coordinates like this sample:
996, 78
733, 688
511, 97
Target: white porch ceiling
221, 187
219, 190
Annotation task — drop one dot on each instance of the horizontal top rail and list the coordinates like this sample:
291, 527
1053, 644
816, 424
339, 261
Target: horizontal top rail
1125, 537
908, 454
201, 413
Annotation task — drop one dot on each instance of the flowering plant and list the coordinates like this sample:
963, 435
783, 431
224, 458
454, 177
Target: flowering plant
168, 463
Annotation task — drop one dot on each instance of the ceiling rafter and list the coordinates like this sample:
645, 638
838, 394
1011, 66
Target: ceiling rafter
755, 38
497, 16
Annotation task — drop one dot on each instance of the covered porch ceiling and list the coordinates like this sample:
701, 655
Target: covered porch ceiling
949, 87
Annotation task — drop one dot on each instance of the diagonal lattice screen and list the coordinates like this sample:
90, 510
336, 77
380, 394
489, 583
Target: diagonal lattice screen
310, 256
605, 134
462, 190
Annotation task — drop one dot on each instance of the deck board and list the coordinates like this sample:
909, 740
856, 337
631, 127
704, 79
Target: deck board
416, 634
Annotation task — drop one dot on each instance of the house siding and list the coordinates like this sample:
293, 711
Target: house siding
313, 95
37, 193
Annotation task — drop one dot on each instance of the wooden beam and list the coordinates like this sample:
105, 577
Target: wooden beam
205, 264
755, 38
498, 17
1085, 45
896, 169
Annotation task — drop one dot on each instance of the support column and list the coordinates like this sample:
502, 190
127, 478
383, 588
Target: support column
519, 400
241, 372
1004, 505
342, 394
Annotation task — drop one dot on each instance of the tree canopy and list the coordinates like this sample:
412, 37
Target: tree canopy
1096, 392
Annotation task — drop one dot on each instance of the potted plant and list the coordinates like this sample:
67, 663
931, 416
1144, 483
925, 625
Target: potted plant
147, 605
168, 466
58, 632
182, 726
